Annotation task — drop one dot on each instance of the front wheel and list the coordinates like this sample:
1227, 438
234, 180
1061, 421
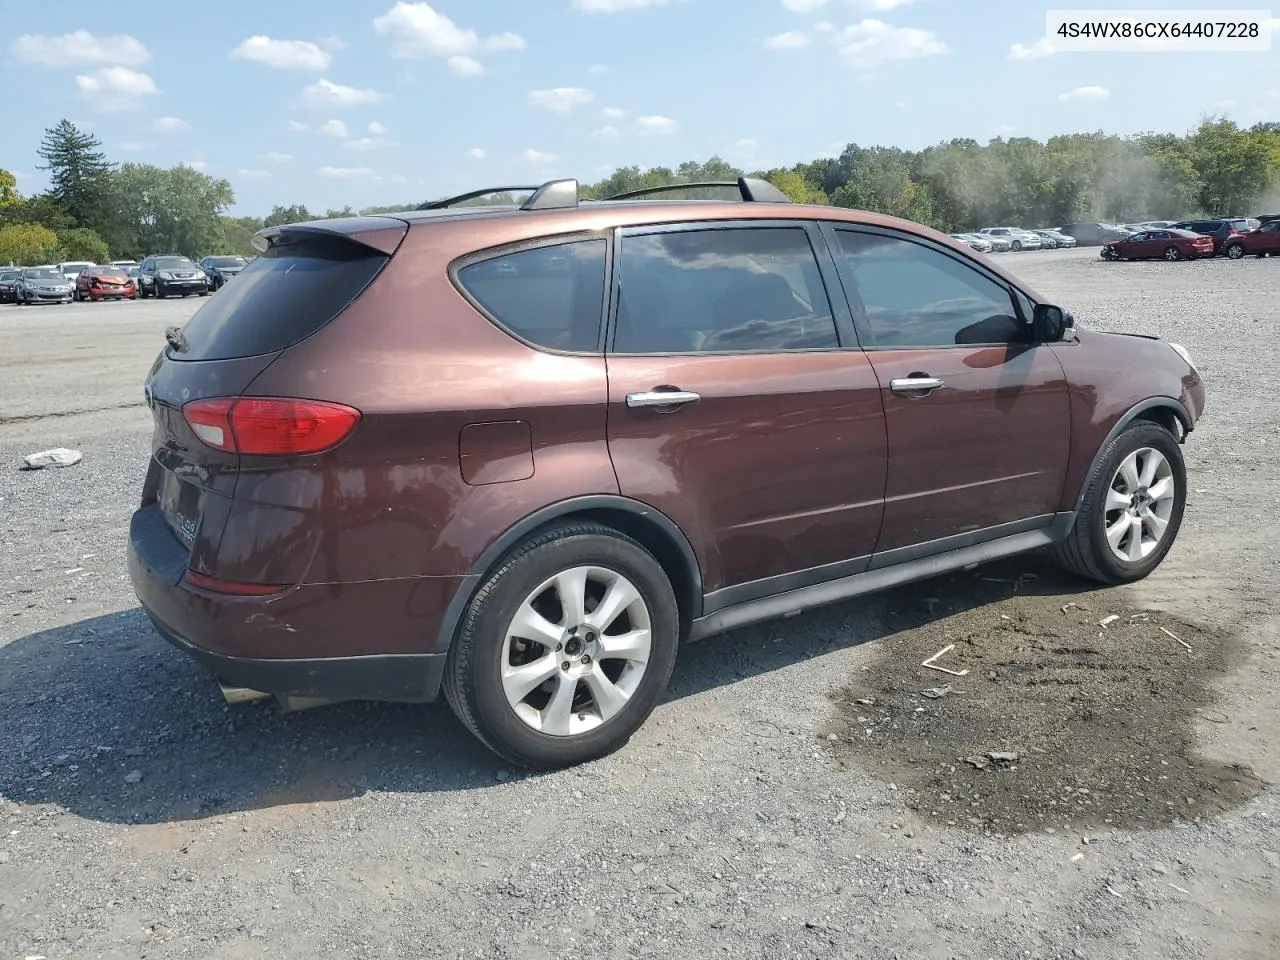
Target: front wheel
1132, 507
1172, 253
566, 649
1235, 250
1016, 246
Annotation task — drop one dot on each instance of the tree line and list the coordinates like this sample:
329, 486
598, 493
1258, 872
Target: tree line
95, 209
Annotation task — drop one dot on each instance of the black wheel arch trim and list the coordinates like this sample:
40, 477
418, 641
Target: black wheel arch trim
1135, 413
523, 529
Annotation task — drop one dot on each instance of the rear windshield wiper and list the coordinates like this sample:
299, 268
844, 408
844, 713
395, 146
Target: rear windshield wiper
173, 336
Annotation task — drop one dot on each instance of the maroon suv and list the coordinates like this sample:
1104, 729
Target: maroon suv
521, 453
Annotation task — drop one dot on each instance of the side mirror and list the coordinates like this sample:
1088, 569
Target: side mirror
1053, 324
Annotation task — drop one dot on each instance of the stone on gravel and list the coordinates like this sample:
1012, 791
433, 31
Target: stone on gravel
133, 776
57, 457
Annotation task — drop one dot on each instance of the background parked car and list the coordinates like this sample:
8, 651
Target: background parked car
221, 269
1221, 231
105, 283
43, 285
9, 283
974, 242
1059, 239
1160, 244
1018, 238
71, 269
1091, 233
1261, 242
171, 276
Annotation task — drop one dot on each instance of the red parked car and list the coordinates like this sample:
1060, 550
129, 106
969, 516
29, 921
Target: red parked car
1160, 244
105, 283
518, 455
1265, 240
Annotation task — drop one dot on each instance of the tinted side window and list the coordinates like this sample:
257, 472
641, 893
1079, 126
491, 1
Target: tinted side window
551, 296
905, 294
755, 289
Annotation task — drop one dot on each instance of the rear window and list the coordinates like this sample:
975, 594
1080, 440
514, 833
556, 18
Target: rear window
280, 298
549, 296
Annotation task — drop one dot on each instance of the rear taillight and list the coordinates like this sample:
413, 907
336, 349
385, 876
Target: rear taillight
270, 426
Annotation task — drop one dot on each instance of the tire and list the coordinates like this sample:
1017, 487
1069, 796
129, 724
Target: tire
1086, 551
485, 646
1235, 250
1016, 246
1172, 253
157, 291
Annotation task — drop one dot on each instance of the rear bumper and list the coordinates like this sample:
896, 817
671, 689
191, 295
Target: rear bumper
357, 641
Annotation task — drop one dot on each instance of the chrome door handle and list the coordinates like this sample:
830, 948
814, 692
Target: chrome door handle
662, 398
914, 384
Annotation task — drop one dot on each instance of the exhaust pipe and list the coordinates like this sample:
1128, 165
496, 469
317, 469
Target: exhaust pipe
238, 695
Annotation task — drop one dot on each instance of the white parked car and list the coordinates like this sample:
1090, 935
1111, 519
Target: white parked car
71, 269
1018, 238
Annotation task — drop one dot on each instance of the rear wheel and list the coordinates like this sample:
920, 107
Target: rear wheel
1172, 253
1132, 507
1235, 250
566, 649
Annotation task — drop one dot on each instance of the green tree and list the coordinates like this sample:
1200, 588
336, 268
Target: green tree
8, 189
282, 215
78, 172
795, 186
28, 244
178, 210
80, 243
337, 214
1234, 167
237, 232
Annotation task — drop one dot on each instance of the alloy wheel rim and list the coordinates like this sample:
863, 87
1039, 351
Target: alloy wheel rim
1139, 504
1171, 253
1236, 251
576, 651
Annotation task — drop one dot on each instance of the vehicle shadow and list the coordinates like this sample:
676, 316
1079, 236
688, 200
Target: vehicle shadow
107, 721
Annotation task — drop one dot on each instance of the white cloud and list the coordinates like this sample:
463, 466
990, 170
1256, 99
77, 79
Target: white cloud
365, 144
1085, 95
1271, 94
133, 146
613, 113
377, 129
1006, 128
607, 133
283, 54
326, 93
824, 26
418, 30
278, 157
791, 40
198, 165
1038, 50
466, 66
334, 44
476, 153
344, 173
115, 88
398, 178
333, 128
613, 6
531, 155
870, 42
656, 124
254, 174
1225, 104
560, 99
598, 70
504, 42
804, 6
746, 143
79, 49
808, 6
902, 104
169, 124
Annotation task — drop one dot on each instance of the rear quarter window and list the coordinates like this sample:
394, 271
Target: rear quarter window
282, 297
550, 296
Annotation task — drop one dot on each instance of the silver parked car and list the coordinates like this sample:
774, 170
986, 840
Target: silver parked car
1055, 239
43, 285
974, 242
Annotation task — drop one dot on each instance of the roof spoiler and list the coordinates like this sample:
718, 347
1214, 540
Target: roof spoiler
382, 234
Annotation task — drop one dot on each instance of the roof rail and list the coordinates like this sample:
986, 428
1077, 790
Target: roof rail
752, 189
475, 195
552, 195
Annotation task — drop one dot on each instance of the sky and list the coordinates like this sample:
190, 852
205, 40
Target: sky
366, 102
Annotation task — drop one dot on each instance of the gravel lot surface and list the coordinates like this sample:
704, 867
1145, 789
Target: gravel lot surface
796, 796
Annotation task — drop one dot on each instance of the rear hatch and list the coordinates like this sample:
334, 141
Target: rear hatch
305, 276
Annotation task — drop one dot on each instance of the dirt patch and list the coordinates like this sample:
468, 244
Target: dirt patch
1076, 712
